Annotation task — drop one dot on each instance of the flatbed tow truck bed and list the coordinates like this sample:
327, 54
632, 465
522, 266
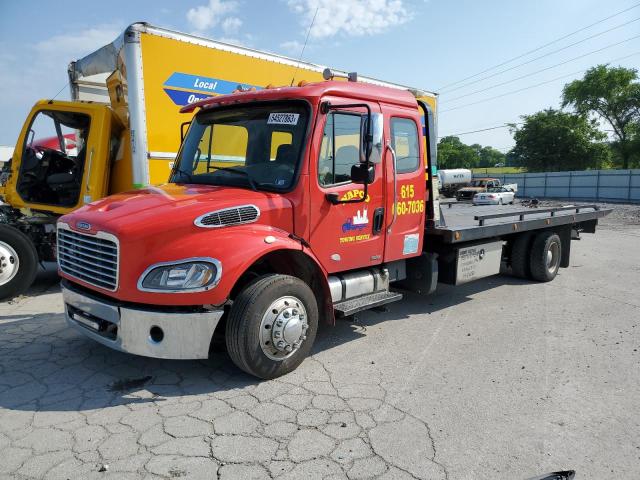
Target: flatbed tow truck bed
464, 223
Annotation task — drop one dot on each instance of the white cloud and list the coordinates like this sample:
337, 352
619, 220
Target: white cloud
231, 25
78, 43
209, 15
350, 17
292, 46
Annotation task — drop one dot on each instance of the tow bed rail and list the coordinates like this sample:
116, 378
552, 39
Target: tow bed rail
552, 211
468, 223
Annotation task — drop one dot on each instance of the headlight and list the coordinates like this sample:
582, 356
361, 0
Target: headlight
193, 274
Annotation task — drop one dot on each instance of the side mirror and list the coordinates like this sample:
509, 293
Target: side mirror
362, 173
183, 130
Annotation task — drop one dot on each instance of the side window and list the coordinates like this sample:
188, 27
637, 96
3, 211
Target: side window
340, 148
404, 140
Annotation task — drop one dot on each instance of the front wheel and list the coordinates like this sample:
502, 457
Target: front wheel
272, 326
18, 262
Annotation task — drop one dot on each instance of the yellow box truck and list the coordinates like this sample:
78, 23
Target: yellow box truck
121, 130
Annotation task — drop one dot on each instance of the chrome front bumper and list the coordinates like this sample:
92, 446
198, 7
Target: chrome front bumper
185, 336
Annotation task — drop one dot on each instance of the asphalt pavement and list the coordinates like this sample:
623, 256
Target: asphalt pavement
498, 379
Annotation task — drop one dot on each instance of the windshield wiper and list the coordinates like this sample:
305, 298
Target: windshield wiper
241, 172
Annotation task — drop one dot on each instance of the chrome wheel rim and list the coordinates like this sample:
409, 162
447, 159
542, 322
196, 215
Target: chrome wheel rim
553, 257
283, 328
9, 263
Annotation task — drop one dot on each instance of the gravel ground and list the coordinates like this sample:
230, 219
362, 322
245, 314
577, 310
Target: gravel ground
501, 378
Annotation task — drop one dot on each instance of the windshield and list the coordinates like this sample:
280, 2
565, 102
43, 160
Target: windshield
478, 183
252, 146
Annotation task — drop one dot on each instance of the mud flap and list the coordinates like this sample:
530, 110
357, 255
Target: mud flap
422, 274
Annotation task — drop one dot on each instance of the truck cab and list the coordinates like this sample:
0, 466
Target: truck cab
62, 157
283, 206
286, 208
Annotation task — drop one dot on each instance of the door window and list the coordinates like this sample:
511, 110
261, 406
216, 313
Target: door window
404, 140
340, 148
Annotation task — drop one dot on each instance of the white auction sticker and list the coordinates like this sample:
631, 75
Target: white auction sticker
283, 118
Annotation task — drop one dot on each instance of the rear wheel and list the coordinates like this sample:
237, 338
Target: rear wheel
546, 252
520, 256
272, 326
18, 262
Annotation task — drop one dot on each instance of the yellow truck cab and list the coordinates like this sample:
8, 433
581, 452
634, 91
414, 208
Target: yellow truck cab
121, 130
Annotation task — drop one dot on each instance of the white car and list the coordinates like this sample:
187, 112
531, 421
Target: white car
494, 196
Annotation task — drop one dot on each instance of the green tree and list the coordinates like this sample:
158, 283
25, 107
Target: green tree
490, 157
552, 140
452, 153
611, 94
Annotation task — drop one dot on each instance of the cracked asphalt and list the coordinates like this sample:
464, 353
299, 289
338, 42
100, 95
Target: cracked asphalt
501, 378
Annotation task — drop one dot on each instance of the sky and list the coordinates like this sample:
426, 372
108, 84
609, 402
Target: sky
434, 45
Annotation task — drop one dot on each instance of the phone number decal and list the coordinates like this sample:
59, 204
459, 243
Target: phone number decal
406, 207
409, 207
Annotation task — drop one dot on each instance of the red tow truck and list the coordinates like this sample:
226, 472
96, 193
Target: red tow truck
288, 207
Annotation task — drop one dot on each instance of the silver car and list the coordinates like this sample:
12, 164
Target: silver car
494, 196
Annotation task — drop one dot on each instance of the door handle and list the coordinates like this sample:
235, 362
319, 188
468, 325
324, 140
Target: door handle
378, 220
395, 187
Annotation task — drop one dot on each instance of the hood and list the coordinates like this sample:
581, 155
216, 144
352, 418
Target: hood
156, 225
164, 208
472, 189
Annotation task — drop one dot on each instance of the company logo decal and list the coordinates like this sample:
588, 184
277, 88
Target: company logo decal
184, 88
358, 222
355, 193
83, 225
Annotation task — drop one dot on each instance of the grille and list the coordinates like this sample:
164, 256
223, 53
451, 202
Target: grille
229, 216
90, 258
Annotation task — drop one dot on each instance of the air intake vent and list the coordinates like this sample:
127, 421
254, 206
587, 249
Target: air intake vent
228, 217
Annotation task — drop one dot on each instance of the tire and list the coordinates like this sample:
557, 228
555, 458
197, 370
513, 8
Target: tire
546, 252
252, 321
520, 255
18, 262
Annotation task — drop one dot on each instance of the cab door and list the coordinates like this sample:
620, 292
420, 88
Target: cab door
406, 188
346, 224
62, 158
